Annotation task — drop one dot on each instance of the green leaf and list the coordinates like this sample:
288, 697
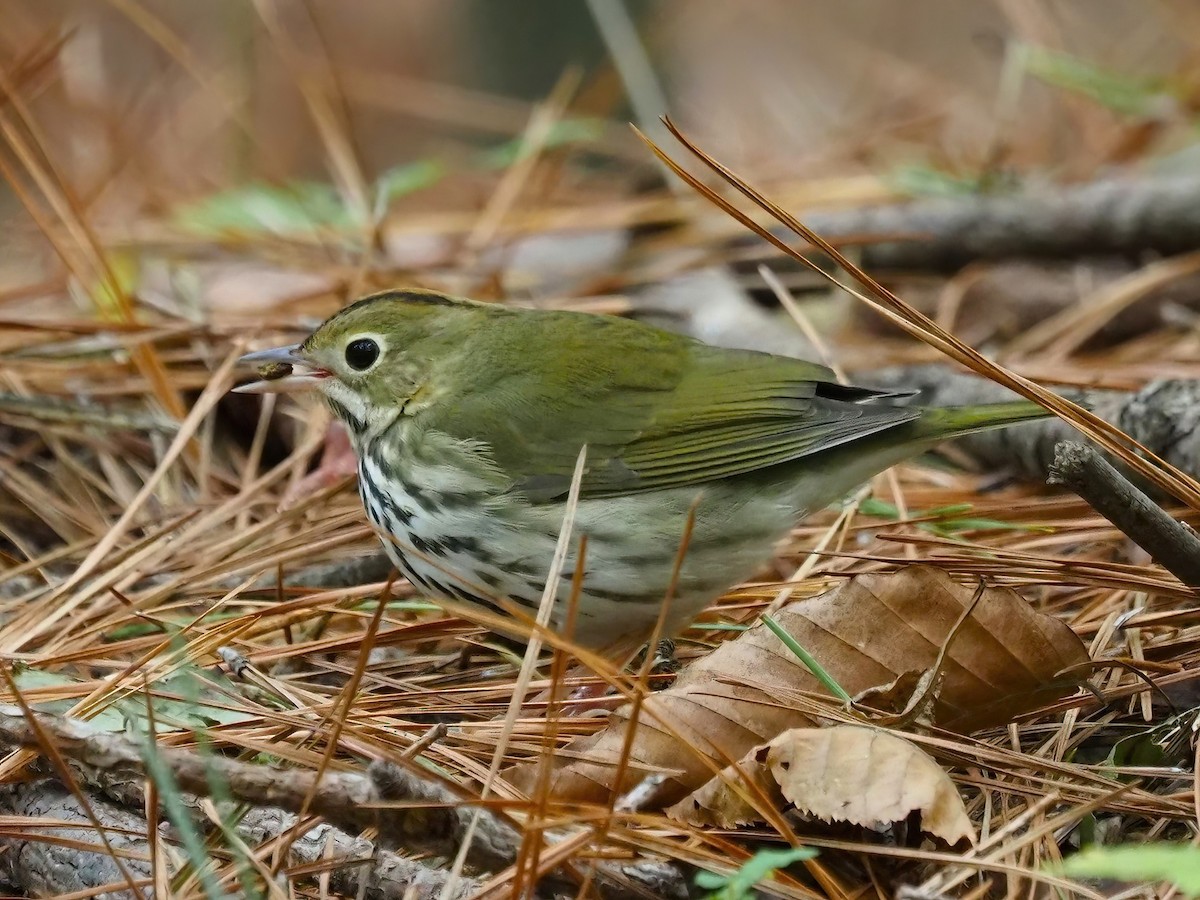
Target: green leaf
1139, 749
711, 881
1165, 744
951, 509
28, 679
165, 624
133, 630
406, 179
805, 657
562, 133
229, 815
170, 714
172, 800
120, 280
952, 525
879, 509
718, 626
949, 519
1177, 864
193, 712
928, 181
1125, 94
300, 208
762, 864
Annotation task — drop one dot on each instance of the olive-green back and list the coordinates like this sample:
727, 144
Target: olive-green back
656, 410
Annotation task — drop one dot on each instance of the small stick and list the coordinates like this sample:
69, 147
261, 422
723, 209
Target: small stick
425, 741
1169, 542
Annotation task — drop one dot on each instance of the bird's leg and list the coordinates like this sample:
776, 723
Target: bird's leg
466, 656
338, 461
592, 699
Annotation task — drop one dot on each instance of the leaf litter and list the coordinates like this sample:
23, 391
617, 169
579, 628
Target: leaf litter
867, 633
1004, 730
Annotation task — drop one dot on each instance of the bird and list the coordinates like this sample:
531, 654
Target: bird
468, 420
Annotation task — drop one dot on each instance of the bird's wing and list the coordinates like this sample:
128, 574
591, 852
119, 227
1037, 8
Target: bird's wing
665, 412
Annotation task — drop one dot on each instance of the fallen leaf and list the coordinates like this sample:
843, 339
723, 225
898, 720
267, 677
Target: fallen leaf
1005, 659
847, 773
187, 698
1177, 864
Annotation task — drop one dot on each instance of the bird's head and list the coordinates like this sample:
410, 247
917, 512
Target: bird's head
373, 359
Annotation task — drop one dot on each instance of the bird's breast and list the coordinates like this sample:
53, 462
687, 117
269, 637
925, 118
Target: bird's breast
451, 530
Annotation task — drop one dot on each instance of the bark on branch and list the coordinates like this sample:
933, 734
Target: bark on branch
433, 819
1171, 543
1127, 216
42, 863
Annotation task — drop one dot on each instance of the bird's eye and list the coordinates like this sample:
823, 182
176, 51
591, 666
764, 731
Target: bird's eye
361, 354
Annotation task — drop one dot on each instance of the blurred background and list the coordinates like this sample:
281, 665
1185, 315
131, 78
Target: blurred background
189, 97
338, 145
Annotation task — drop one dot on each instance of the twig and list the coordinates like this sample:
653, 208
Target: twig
346, 799
1171, 543
425, 741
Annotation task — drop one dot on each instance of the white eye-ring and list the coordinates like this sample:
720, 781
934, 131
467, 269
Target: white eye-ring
363, 352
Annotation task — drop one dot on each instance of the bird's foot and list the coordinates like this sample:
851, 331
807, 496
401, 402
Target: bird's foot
663, 666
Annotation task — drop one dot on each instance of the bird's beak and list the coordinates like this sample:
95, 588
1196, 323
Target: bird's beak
284, 370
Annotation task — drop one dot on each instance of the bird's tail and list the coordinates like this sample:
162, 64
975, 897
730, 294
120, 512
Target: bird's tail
954, 421
821, 479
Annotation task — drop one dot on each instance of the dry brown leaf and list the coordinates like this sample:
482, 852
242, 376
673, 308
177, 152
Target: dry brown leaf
1005, 659
847, 773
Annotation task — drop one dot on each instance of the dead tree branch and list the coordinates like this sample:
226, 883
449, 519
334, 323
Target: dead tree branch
49, 861
1129, 215
432, 820
1171, 543
45, 864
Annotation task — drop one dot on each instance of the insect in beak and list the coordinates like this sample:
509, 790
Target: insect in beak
281, 370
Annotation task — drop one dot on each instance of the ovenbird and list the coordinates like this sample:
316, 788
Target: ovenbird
468, 420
